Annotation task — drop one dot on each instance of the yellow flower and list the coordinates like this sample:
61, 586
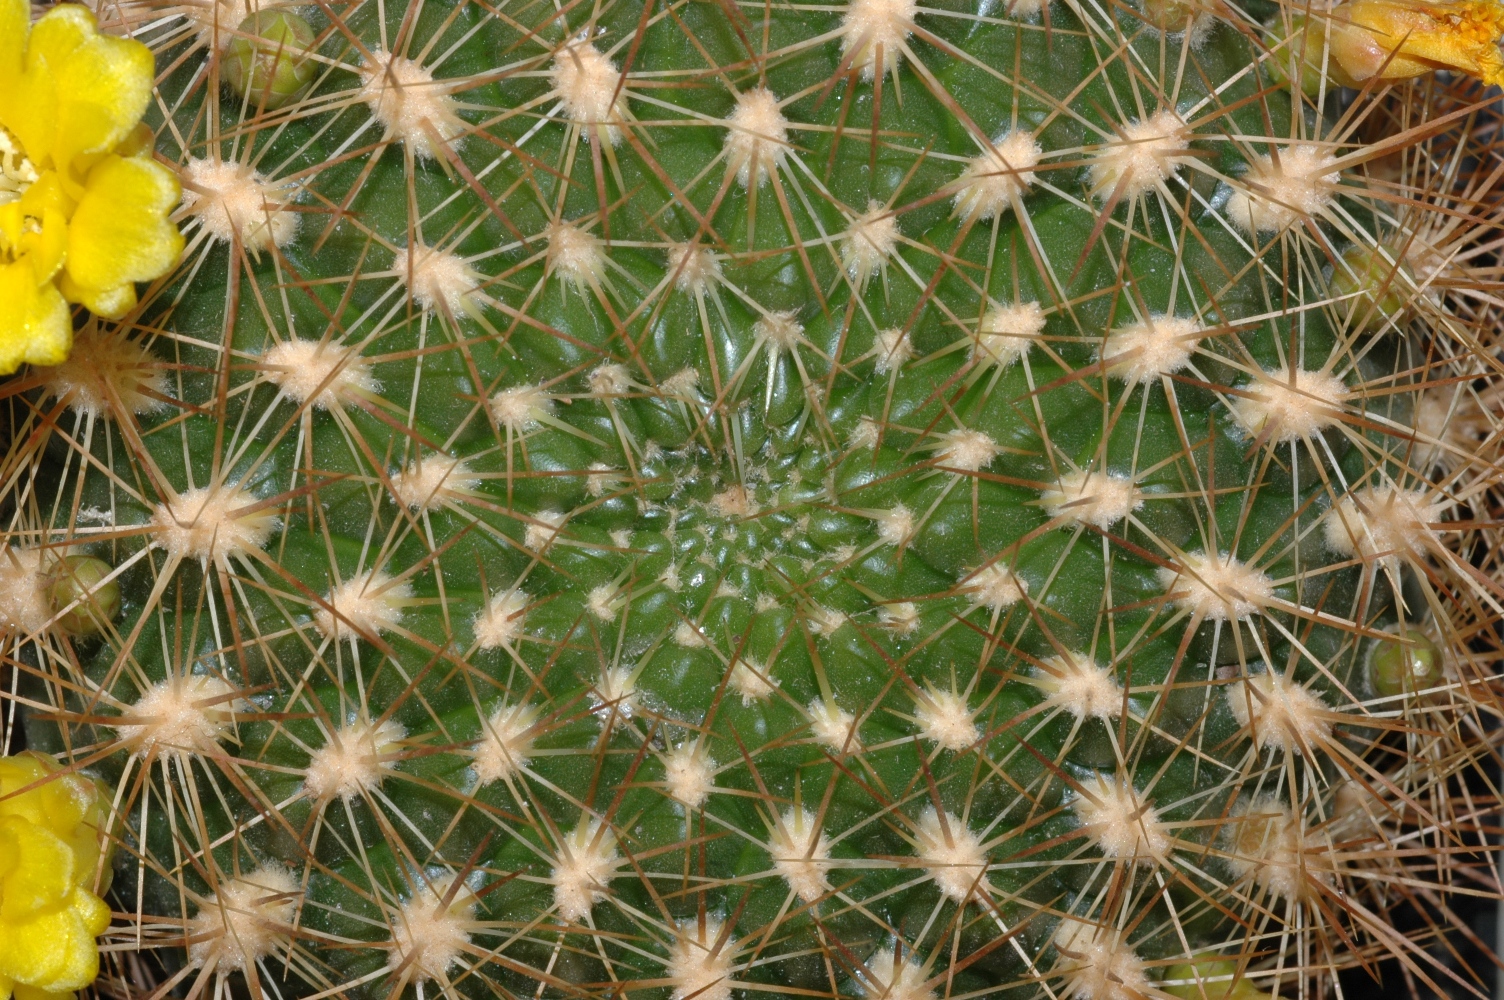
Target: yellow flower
1399, 39
50, 849
83, 207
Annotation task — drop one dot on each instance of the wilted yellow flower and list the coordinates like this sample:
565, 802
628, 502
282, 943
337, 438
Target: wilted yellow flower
50, 844
83, 207
1399, 39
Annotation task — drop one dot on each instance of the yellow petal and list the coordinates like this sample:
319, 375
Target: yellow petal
79, 92
111, 303
12, 225
34, 324
14, 17
41, 880
24, 992
53, 952
1399, 39
73, 806
104, 87
119, 233
47, 247
57, 34
32, 114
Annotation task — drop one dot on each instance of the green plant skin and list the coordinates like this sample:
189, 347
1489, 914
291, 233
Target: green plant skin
802, 548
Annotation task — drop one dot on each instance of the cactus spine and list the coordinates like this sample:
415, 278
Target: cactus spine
694, 499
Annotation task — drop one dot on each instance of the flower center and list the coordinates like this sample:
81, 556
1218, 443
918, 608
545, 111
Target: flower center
16, 172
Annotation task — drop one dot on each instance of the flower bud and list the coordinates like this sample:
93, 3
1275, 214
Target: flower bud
1406, 665
1398, 39
268, 62
80, 579
1302, 60
1375, 286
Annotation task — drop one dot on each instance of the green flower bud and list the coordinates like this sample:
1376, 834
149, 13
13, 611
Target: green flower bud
1209, 978
1301, 59
78, 578
268, 60
1396, 667
1376, 286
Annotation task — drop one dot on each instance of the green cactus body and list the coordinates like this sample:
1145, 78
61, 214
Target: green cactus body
852, 505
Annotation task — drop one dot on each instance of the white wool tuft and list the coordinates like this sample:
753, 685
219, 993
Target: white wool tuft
893, 349
355, 760
248, 919
895, 526
589, 86
501, 622
422, 485
1267, 843
832, 726
1281, 713
605, 601
181, 715
1085, 689
901, 618
876, 29
1142, 351
694, 268
951, 854
521, 408
330, 375
505, 744
437, 280
993, 180
539, 533
757, 137
734, 501
893, 974
995, 586
1100, 499
1097, 964
1142, 158
688, 635
107, 374
1120, 821
945, 719
211, 524
24, 604
575, 254
1384, 523
689, 775
236, 201
364, 606
801, 853
700, 965
1272, 196
1290, 409
1217, 587
587, 860
610, 379
615, 691
752, 680
965, 450
1007, 333
869, 241
781, 328
429, 937
413, 108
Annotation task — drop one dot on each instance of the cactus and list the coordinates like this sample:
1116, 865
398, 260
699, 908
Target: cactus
697, 499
